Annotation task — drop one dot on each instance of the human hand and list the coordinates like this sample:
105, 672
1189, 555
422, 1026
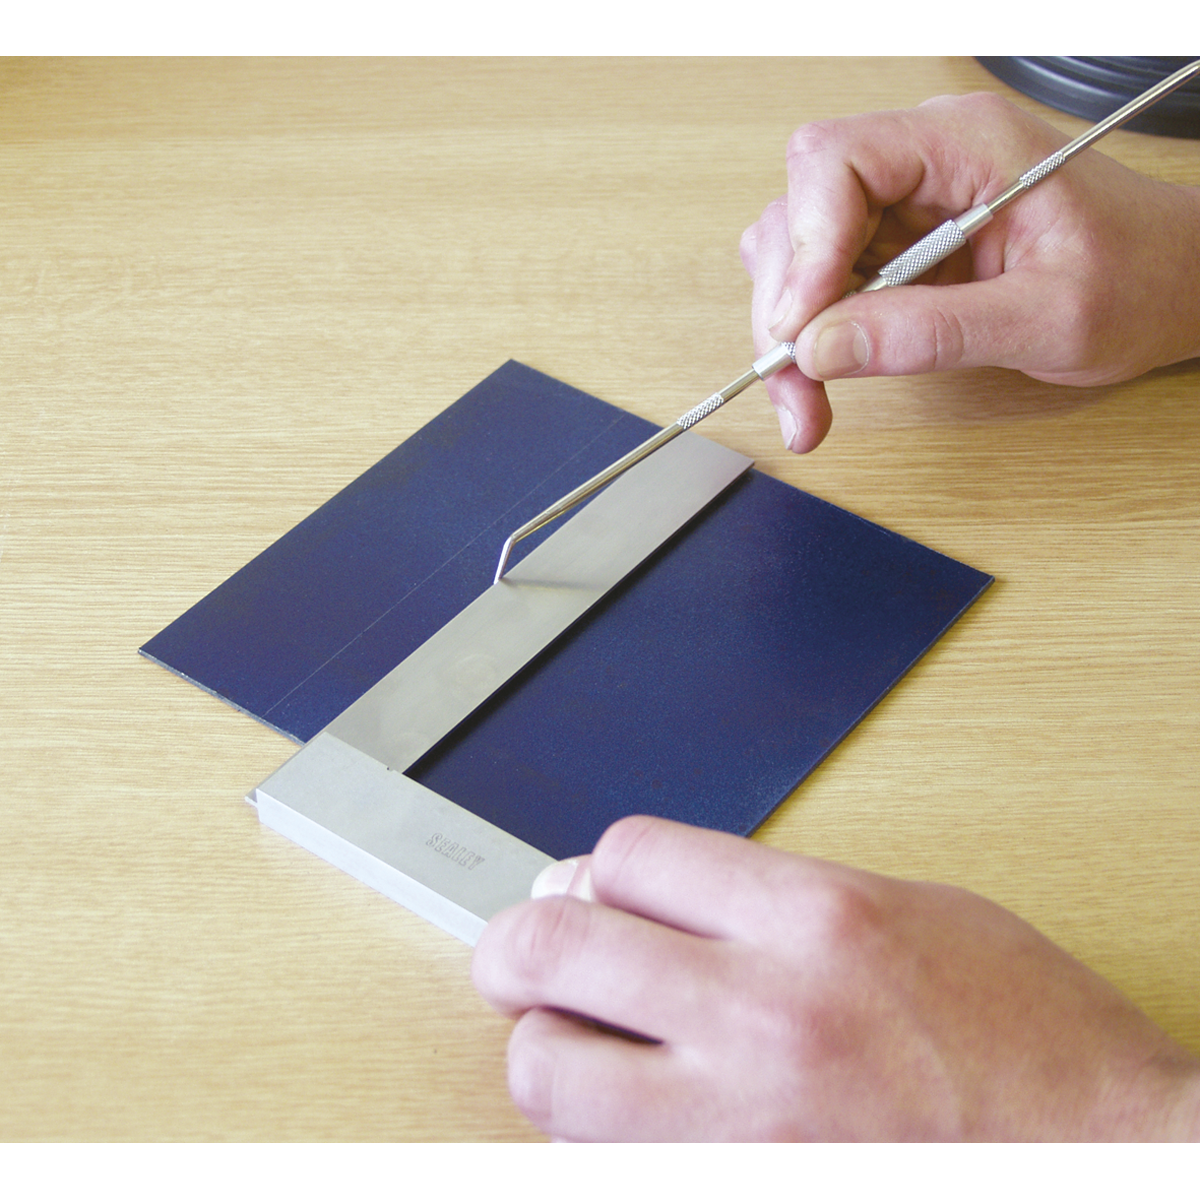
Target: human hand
789, 998
1092, 277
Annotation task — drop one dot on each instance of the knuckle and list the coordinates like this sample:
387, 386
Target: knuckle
842, 913
973, 107
946, 341
620, 845
931, 340
955, 121
842, 922
543, 935
772, 216
943, 105
818, 137
984, 104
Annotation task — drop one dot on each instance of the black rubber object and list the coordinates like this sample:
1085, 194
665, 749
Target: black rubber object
1096, 87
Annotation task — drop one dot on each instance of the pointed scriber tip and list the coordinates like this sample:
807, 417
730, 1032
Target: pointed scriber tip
508, 545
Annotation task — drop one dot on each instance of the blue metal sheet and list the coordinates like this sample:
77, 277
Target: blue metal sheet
703, 688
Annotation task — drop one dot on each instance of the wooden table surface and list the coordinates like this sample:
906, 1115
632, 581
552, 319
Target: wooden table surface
227, 288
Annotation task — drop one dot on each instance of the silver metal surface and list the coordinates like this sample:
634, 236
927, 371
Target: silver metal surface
344, 795
586, 489
408, 711
931, 249
917, 259
768, 364
1038, 173
779, 356
702, 410
397, 836
973, 219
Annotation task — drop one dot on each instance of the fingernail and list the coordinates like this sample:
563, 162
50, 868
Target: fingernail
840, 350
554, 879
565, 878
787, 426
781, 309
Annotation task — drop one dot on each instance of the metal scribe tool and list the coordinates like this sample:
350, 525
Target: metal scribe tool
767, 365
913, 262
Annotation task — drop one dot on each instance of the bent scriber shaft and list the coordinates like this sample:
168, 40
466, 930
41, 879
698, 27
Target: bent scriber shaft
943, 241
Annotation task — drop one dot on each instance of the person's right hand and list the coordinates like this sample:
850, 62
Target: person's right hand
1092, 277
776, 996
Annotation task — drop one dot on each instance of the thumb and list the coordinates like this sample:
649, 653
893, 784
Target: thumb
918, 329
568, 877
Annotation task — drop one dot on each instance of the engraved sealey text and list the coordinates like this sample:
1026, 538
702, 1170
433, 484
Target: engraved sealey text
453, 851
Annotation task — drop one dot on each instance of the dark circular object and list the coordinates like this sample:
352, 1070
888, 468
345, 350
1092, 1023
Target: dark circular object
1096, 87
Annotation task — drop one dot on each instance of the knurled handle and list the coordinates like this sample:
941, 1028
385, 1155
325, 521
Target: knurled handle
917, 259
930, 250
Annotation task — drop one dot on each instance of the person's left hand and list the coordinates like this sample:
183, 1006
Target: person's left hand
781, 997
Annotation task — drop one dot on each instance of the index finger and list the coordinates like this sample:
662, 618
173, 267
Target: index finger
842, 175
603, 963
713, 884
839, 180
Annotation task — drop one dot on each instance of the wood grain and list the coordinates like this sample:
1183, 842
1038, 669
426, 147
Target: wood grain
226, 288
